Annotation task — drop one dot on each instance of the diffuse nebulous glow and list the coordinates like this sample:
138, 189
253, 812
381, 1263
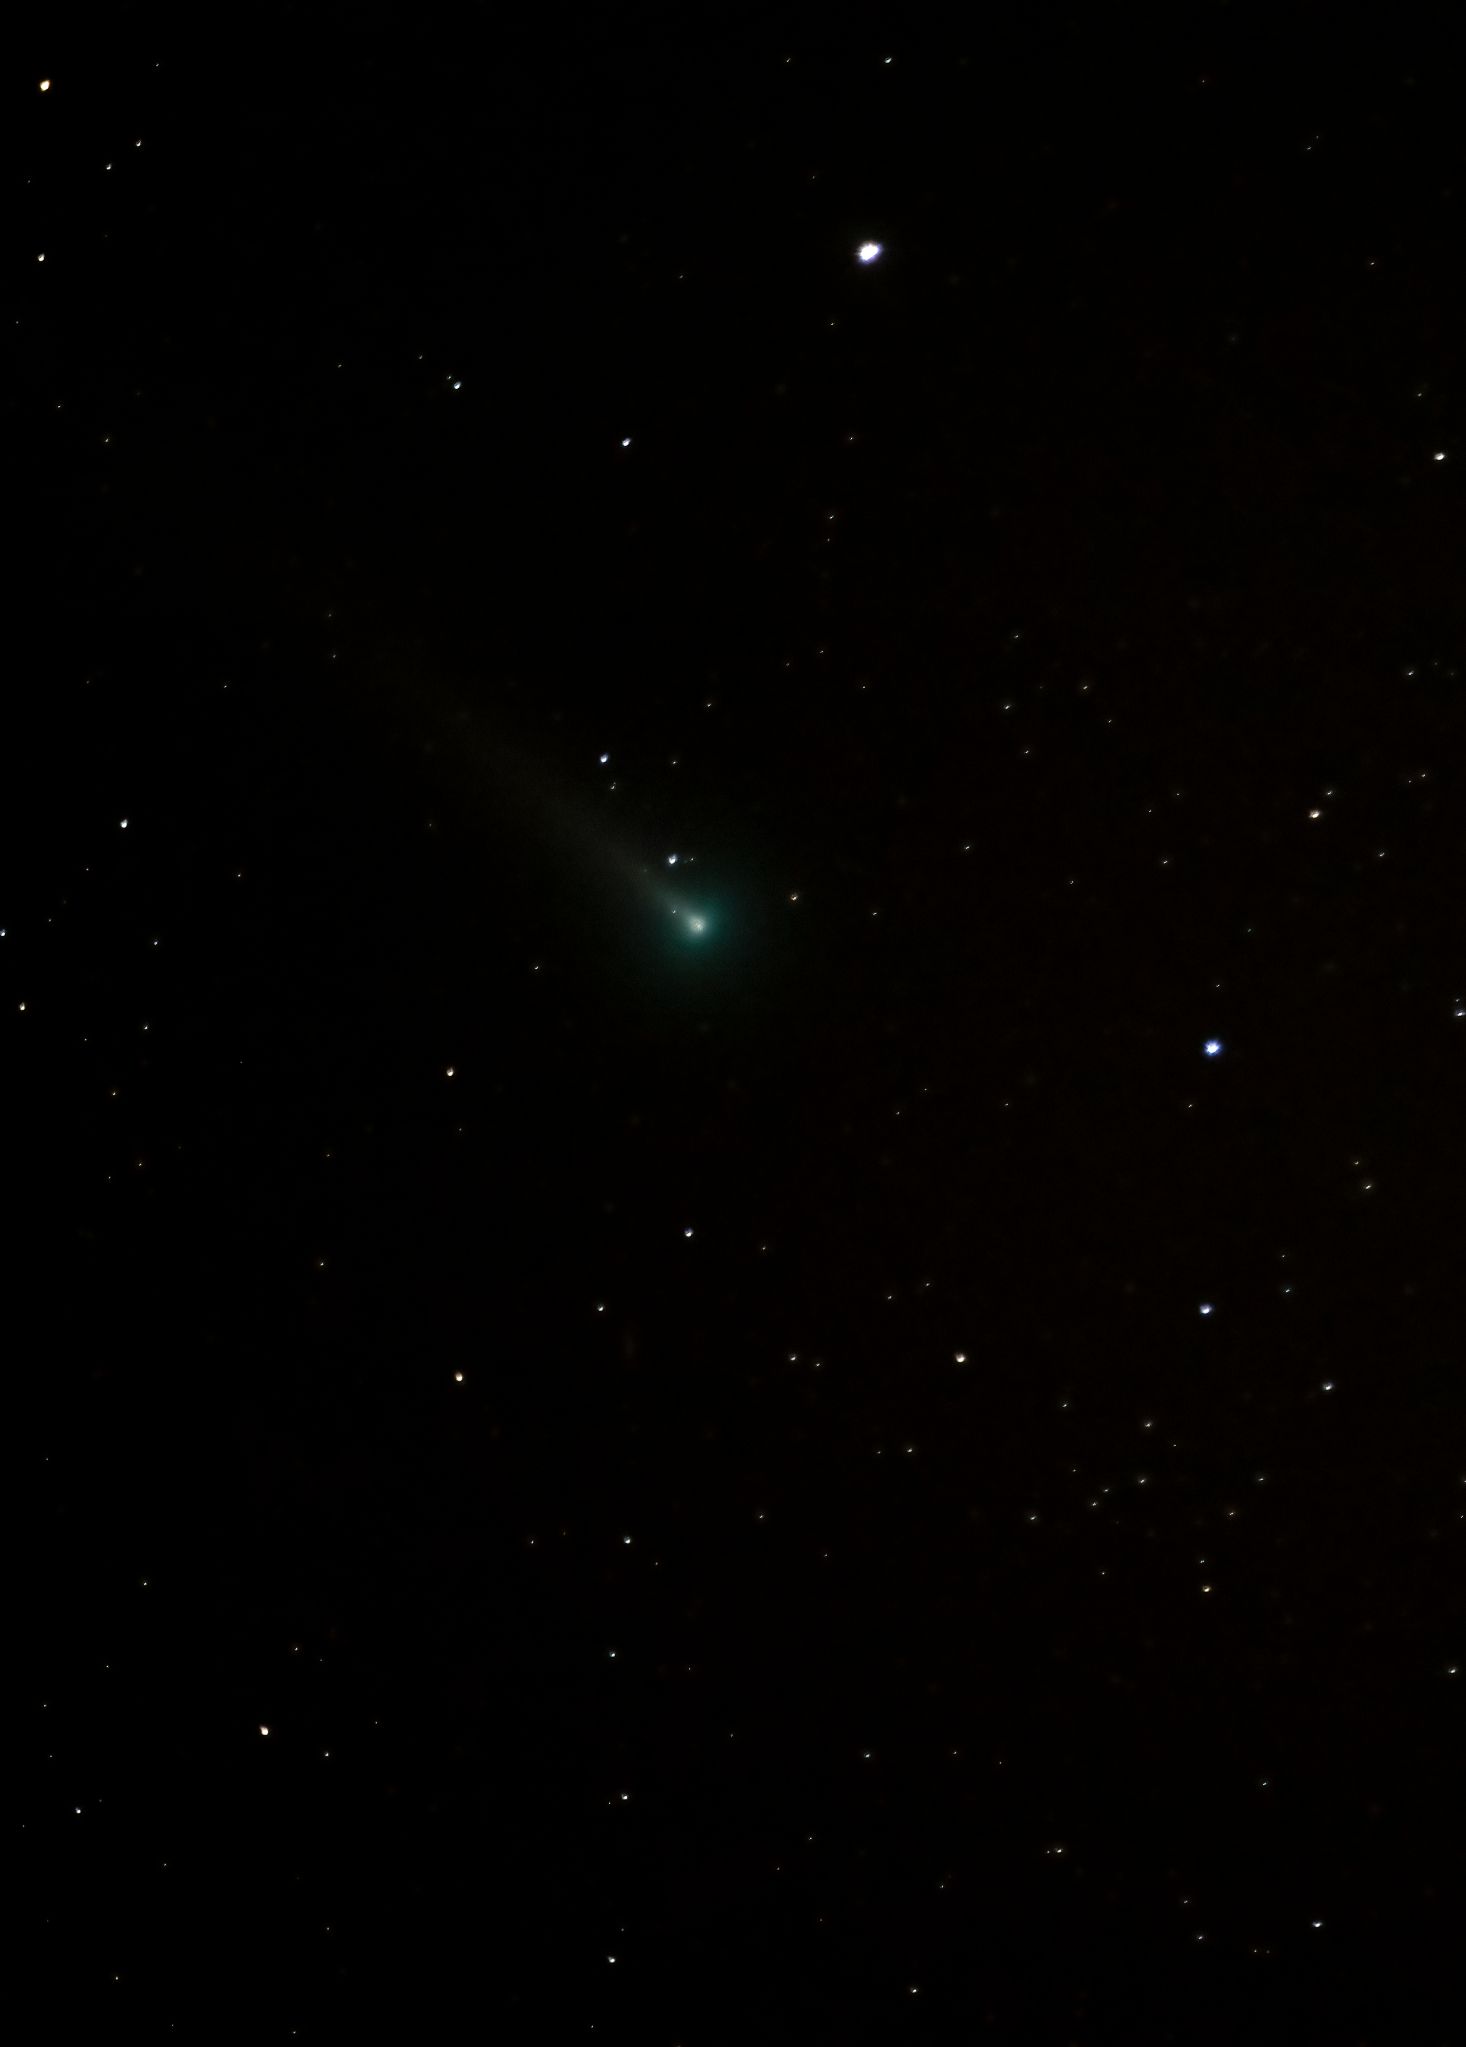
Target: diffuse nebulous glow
497, 776
694, 921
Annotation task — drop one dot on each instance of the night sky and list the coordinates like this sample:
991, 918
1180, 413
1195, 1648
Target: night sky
734, 1070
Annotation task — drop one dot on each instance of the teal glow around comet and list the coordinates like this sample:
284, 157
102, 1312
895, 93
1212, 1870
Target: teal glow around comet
695, 925
580, 839
693, 919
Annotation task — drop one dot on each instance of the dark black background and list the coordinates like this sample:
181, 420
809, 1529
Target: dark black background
1010, 602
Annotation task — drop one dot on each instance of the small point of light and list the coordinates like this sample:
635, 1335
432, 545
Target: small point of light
1212, 1047
264, 1730
868, 252
1206, 1307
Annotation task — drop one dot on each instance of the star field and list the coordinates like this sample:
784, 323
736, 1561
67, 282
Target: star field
735, 1008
